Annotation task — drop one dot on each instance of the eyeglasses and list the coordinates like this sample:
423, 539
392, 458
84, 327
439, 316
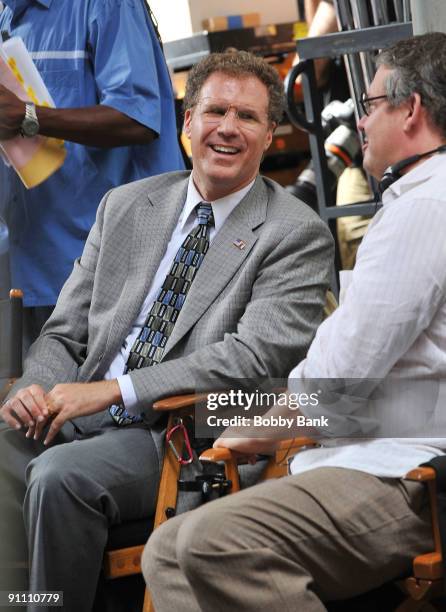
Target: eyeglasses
213, 111
365, 102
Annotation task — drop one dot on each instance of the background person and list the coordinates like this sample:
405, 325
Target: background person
103, 65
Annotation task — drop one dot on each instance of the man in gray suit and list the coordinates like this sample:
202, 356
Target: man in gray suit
259, 261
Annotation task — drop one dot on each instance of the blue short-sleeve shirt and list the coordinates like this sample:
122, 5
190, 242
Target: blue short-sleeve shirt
88, 52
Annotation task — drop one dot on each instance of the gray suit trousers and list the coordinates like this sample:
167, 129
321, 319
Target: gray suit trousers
71, 493
289, 544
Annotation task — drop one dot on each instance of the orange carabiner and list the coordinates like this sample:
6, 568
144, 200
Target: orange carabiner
180, 426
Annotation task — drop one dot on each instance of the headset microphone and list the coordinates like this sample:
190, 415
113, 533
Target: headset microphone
393, 173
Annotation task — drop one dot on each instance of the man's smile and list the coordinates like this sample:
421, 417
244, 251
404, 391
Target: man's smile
225, 149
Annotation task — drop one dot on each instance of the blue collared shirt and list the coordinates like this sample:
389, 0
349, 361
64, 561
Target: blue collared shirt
88, 53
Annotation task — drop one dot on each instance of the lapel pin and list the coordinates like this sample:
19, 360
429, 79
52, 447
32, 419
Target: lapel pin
240, 244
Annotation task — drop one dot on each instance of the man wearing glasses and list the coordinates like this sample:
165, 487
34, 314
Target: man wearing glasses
346, 521
186, 283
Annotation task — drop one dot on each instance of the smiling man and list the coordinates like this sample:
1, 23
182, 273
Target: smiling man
186, 282
227, 158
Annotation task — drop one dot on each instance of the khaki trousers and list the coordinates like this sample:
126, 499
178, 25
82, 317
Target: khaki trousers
289, 545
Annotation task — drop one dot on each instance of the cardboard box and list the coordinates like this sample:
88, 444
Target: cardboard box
189, 15
229, 22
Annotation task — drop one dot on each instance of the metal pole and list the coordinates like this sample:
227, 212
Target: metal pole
428, 16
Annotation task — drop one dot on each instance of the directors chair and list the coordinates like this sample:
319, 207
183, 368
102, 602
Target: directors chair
421, 589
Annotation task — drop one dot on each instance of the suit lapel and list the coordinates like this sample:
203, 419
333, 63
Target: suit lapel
223, 259
155, 217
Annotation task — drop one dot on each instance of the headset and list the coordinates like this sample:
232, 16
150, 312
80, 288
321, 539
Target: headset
393, 173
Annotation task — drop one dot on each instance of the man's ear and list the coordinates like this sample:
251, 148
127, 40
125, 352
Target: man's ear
269, 136
414, 113
187, 122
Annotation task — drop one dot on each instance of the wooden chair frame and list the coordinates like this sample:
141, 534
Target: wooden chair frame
426, 582
127, 561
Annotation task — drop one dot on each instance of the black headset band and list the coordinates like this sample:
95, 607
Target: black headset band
393, 173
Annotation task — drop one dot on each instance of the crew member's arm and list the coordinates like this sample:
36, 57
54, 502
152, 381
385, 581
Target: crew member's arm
266, 439
96, 126
321, 20
128, 107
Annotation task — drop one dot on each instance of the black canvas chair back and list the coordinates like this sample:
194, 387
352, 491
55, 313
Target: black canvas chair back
11, 335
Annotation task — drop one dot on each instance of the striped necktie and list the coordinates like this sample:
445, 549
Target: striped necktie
149, 346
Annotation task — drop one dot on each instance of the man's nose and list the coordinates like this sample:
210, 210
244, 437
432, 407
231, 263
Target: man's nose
360, 124
229, 124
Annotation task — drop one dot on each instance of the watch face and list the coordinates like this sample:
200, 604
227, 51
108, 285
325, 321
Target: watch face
30, 127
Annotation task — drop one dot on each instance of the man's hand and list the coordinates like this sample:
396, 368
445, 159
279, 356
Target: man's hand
32, 408
12, 112
28, 408
246, 448
237, 440
71, 400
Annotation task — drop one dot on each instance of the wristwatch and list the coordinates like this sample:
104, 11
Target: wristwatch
30, 123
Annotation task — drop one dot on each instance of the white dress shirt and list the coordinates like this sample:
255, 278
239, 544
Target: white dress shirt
221, 209
391, 326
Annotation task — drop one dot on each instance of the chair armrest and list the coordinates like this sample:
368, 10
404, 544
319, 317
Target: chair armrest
16, 294
427, 475
294, 444
421, 474
175, 402
213, 455
225, 455
179, 401
276, 467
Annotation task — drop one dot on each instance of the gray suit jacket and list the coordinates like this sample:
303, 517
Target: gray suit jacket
250, 313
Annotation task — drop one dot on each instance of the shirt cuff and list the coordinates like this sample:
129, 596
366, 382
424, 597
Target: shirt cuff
129, 399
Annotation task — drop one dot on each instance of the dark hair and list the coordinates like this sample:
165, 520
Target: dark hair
418, 65
237, 64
